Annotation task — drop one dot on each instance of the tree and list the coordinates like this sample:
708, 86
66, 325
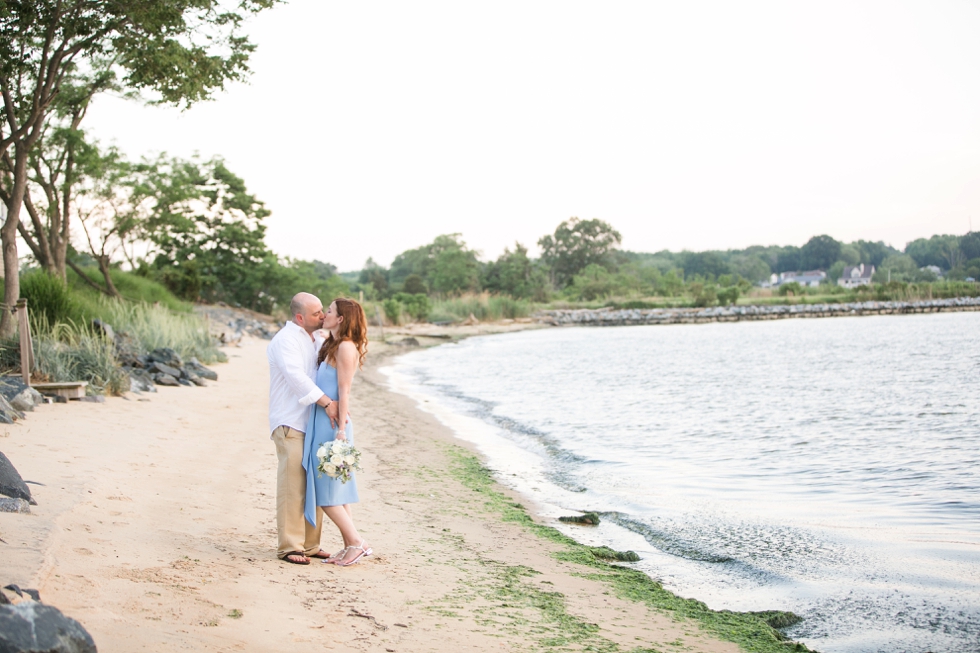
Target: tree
575, 245
515, 274
703, 264
446, 265
940, 250
819, 253
179, 51
414, 285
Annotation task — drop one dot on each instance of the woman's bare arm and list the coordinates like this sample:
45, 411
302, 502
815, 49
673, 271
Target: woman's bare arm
346, 366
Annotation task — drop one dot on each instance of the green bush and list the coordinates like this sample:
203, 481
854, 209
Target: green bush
48, 297
393, 310
132, 286
68, 352
417, 305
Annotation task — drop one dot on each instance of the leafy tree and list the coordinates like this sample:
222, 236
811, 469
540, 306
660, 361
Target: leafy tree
446, 266
179, 51
703, 264
819, 253
575, 245
750, 267
596, 282
788, 259
791, 288
873, 252
942, 251
414, 285
970, 245
515, 274
376, 277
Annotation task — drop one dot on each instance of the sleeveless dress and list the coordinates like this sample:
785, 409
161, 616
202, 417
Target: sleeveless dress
321, 490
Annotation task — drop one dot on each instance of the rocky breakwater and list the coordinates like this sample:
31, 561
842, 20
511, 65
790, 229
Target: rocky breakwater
633, 316
164, 366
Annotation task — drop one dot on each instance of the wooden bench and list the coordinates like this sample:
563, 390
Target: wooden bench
67, 389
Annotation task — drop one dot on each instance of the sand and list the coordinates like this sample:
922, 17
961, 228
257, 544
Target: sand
155, 528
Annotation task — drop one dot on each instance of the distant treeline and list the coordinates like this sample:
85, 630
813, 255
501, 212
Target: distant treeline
581, 261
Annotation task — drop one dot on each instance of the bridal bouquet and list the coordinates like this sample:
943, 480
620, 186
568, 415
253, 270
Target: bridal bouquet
338, 459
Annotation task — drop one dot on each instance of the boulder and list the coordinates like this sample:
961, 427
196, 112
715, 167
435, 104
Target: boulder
167, 356
14, 594
11, 484
104, 329
14, 505
140, 380
193, 365
164, 379
183, 381
26, 400
407, 342
32, 627
163, 368
128, 351
196, 380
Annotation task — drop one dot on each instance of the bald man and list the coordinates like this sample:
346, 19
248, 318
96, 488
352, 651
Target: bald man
292, 391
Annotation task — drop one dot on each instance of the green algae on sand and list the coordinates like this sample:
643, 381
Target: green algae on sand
752, 631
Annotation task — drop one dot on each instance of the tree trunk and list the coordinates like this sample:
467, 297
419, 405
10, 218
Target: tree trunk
104, 268
8, 240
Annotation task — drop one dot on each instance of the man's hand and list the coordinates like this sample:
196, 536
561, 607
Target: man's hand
332, 413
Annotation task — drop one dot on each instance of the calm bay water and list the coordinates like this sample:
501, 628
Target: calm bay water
828, 467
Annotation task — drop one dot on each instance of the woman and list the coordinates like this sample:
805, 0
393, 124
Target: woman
341, 355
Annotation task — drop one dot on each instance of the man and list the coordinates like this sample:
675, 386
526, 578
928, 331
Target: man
292, 391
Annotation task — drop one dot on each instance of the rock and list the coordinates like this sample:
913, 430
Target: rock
407, 342
13, 594
93, 399
32, 627
128, 351
195, 366
11, 484
104, 329
183, 381
167, 356
27, 400
163, 368
605, 553
10, 387
140, 380
14, 505
164, 379
196, 380
589, 518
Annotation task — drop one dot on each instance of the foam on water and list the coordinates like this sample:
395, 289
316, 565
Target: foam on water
828, 467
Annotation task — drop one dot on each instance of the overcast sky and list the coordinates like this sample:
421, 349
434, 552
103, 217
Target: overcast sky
370, 128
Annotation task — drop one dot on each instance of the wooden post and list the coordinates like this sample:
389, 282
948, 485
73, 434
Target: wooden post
26, 346
381, 322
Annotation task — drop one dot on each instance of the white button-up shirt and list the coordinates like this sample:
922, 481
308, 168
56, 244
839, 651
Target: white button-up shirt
292, 373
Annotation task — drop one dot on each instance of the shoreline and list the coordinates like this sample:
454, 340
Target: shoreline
155, 529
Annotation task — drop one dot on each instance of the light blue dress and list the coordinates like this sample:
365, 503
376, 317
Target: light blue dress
321, 490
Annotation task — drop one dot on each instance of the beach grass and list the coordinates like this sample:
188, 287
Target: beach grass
754, 632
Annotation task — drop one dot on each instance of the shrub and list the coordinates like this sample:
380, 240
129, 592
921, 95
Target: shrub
791, 288
68, 352
393, 310
417, 305
483, 307
49, 297
154, 326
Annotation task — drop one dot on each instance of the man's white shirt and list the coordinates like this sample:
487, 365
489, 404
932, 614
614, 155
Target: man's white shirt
292, 373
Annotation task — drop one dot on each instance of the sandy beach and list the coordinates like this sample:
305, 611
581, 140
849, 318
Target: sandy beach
155, 528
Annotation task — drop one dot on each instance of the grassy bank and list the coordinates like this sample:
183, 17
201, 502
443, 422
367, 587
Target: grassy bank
69, 347
754, 632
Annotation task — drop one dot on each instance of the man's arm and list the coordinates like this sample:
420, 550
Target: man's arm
289, 358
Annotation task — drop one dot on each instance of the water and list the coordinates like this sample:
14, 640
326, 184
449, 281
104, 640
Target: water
828, 467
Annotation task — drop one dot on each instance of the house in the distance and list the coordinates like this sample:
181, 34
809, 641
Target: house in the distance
810, 278
856, 275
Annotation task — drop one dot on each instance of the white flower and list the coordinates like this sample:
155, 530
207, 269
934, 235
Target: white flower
321, 452
330, 470
336, 459
349, 459
337, 446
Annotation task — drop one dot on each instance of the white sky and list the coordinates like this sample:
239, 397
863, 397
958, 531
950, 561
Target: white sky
370, 128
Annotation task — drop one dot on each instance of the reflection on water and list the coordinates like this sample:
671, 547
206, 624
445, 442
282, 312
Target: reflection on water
827, 467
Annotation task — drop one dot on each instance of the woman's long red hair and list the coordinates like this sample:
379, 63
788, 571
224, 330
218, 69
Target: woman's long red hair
353, 327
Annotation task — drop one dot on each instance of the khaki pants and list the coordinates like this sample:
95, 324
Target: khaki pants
295, 533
